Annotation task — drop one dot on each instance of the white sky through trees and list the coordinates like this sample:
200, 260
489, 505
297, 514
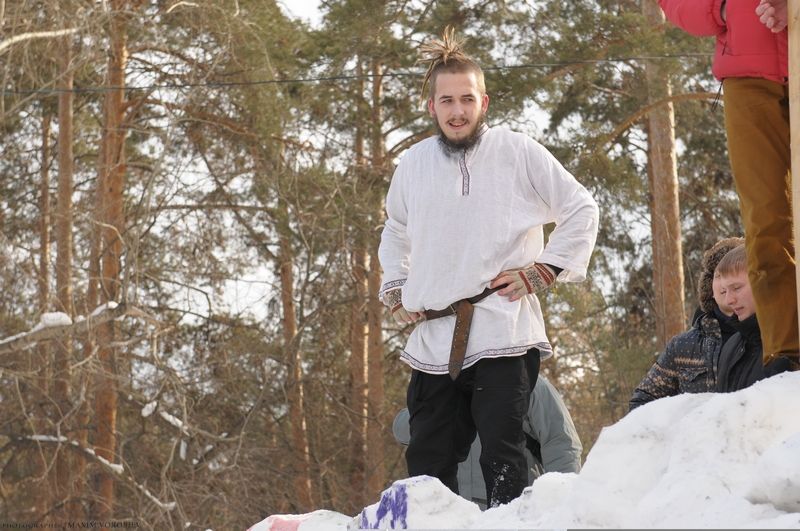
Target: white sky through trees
307, 10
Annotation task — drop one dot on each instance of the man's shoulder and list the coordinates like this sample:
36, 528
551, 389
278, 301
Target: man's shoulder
732, 345
546, 395
679, 343
686, 334
504, 133
543, 384
504, 138
421, 148
708, 324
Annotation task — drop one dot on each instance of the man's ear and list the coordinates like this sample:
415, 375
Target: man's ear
485, 103
431, 109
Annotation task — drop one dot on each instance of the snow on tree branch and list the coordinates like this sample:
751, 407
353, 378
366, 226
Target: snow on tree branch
34, 35
58, 325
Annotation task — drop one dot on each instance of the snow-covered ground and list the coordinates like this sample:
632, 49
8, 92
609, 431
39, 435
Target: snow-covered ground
691, 461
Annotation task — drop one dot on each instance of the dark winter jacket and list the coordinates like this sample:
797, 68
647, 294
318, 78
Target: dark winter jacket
740, 361
688, 363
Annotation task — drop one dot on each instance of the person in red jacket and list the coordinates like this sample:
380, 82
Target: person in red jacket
751, 61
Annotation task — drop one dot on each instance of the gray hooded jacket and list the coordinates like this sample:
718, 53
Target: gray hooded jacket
548, 424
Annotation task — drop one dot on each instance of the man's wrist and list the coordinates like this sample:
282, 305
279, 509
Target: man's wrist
393, 299
538, 277
547, 273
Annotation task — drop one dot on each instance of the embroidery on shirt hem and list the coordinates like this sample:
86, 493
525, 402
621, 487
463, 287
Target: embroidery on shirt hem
545, 350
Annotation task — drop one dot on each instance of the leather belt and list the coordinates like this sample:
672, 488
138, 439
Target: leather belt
463, 310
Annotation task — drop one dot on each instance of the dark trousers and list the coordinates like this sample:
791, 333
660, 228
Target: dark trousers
489, 398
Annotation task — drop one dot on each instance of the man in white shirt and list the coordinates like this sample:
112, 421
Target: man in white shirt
463, 255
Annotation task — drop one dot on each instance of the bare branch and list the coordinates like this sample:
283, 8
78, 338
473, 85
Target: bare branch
35, 35
187, 4
644, 111
116, 470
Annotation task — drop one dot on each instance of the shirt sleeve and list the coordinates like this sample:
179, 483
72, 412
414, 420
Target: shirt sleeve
395, 247
552, 426
698, 17
570, 206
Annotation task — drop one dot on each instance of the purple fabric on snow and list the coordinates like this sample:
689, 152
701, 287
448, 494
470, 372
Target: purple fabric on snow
394, 503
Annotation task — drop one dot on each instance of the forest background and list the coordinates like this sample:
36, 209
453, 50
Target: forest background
197, 186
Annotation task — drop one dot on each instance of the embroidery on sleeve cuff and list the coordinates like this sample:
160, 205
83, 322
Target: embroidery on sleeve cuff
393, 298
538, 277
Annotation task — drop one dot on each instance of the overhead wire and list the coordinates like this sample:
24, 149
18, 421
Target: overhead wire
52, 91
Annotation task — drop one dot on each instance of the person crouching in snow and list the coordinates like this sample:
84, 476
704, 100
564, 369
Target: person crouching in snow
689, 361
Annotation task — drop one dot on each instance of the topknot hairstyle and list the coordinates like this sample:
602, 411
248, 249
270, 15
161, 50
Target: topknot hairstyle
711, 259
446, 55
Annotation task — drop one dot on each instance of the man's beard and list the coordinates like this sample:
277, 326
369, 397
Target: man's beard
455, 147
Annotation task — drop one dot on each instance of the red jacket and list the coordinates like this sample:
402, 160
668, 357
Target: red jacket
745, 47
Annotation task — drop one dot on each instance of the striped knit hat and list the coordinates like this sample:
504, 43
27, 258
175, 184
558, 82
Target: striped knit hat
705, 293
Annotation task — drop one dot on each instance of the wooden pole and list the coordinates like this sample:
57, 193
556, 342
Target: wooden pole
794, 116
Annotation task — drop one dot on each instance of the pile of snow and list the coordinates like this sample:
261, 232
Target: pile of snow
696, 461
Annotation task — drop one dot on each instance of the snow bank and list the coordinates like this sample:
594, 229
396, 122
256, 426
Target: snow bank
418, 503
328, 520
691, 461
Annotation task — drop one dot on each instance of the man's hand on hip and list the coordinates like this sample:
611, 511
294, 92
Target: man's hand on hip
404, 317
393, 300
521, 282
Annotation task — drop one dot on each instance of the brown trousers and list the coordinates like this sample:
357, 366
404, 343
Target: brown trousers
757, 123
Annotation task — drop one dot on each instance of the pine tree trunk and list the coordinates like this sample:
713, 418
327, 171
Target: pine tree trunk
358, 374
41, 497
358, 331
376, 457
112, 217
70, 468
44, 220
297, 417
668, 276
92, 300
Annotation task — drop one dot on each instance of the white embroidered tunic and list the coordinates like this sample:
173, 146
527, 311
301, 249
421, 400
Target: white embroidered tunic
455, 222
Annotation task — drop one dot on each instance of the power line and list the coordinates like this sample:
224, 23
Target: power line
329, 79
